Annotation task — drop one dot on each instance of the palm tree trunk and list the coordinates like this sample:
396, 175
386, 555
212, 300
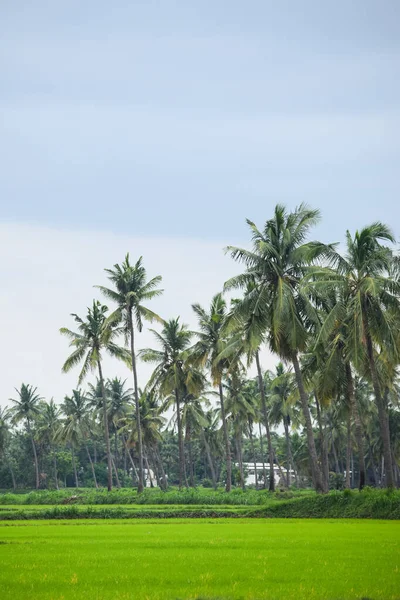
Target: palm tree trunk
323, 442
35, 458
190, 455
289, 459
181, 448
348, 452
262, 456
137, 405
228, 459
252, 452
209, 459
74, 467
148, 469
106, 431
116, 473
14, 483
92, 466
382, 413
266, 424
335, 456
240, 459
315, 470
358, 426
55, 470
161, 466
130, 459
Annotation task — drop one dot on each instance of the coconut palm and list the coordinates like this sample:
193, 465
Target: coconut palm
131, 290
172, 375
5, 435
208, 351
27, 408
239, 410
119, 403
282, 409
369, 299
276, 266
76, 426
95, 336
48, 427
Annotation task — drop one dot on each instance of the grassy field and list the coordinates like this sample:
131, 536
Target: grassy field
229, 559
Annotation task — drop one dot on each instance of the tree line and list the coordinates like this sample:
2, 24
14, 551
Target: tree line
328, 414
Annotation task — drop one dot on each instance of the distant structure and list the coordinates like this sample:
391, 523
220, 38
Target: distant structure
258, 474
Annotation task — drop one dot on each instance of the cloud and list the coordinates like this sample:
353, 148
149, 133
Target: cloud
49, 273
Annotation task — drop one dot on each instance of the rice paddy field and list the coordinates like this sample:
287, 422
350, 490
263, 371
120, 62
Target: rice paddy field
203, 558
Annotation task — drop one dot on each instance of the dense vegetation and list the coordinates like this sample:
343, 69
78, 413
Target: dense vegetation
327, 416
241, 558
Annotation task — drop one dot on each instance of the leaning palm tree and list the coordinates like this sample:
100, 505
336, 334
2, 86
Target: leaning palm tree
131, 290
208, 351
276, 266
27, 408
95, 336
172, 374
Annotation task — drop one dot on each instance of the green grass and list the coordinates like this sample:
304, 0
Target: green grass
370, 504
224, 559
198, 496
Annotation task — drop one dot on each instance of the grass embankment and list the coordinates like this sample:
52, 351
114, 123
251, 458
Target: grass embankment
370, 504
198, 496
226, 559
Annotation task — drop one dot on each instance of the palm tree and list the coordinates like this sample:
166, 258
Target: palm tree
172, 374
131, 290
4, 441
239, 410
208, 350
152, 422
282, 409
49, 424
76, 427
369, 290
95, 335
276, 267
211, 440
119, 402
27, 408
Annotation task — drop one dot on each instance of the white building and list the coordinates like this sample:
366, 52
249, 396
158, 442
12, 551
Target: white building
258, 472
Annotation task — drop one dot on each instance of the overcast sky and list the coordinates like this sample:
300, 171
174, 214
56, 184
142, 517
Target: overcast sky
158, 127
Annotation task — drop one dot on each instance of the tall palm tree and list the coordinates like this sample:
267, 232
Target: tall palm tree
172, 374
95, 336
277, 265
48, 426
368, 282
27, 408
208, 351
131, 290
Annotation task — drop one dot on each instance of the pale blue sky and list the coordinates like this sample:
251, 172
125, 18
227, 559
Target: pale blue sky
157, 128
183, 118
